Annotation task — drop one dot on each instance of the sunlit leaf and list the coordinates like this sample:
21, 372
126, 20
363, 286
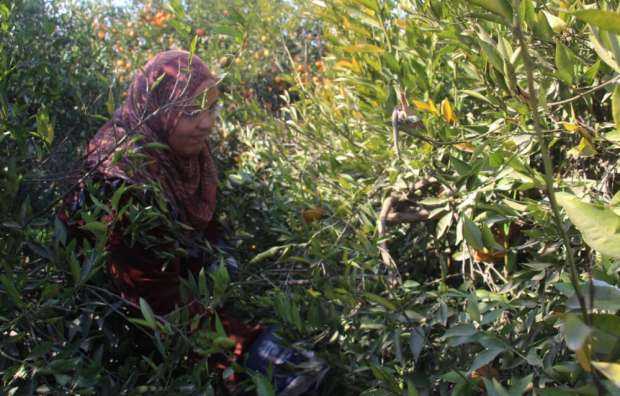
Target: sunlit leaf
575, 332
360, 48
609, 370
615, 106
557, 24
606, 20
45, 129
148, 314
447, 112
499, 7
599, 226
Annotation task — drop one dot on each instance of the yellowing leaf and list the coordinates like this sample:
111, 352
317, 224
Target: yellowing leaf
466, 147
447, 112
426, 106
349, 65
615, 106
609, 370
401, 23
364, 48
557, 24
570, 127
583, 149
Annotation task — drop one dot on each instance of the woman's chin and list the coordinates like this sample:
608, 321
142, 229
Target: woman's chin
190, 150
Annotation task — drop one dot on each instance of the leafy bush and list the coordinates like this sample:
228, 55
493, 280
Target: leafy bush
425, 192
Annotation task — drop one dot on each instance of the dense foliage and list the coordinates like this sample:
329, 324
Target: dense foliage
423, 191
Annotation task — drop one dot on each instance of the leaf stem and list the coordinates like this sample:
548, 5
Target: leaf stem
548, 167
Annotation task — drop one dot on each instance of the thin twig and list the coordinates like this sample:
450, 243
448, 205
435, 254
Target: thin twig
588, 92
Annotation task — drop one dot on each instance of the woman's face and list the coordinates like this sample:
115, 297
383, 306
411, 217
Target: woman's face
189, 137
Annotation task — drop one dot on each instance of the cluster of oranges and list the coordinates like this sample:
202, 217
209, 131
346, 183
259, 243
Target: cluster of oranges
100, 30
123, 67
158, 19
305, 72
261, 54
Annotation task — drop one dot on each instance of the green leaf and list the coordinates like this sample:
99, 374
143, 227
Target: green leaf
494, 388
477, 95
96, 227
599, 42
461, 330
219, 327
192, 47
110, 105
519, 386
444, 224
499, 7
472, 307
263, 386
156, 146
118, 194
615, 106
380, 300
606, 296
599, 226
564, 63
541, 27
606, 20
272, 251
485, 357
609, 370
365, 48
472, 234
45, 129
11, 290
575, 332
148, 314
489, 239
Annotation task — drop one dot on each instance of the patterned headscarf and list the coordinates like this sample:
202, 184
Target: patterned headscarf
149, 115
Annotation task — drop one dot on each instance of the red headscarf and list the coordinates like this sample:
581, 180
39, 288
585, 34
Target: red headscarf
150, 113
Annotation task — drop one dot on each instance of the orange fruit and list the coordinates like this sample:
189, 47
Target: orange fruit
488, 257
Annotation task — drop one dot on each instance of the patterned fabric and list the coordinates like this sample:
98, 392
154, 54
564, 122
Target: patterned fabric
152, 108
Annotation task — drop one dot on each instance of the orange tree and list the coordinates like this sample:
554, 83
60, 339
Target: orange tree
428, 167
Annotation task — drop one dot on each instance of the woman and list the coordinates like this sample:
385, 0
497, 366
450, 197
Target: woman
157, 187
